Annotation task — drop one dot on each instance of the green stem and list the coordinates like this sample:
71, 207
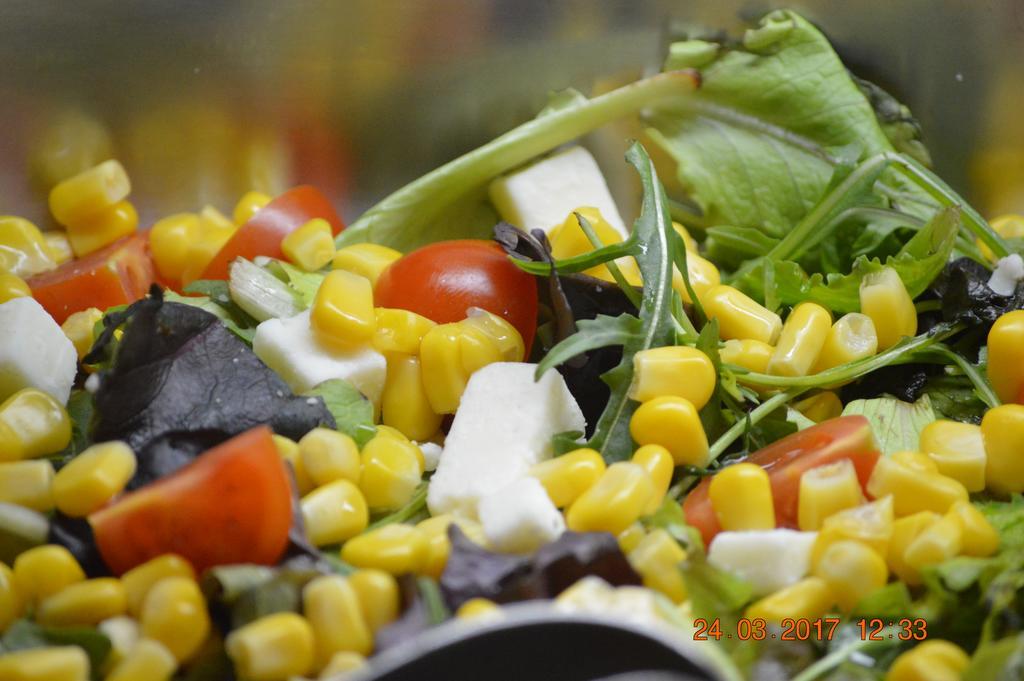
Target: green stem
417, 504
761, 411
980, 383
613, 268
521, 144
836, 658
927, 306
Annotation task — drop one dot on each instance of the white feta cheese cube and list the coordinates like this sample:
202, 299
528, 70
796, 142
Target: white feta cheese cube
543, 194
769, 559
34, 352
503, 427
1008, 273
431, 455
520, 518
289, 347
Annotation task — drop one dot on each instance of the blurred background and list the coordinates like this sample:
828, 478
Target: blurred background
203, 100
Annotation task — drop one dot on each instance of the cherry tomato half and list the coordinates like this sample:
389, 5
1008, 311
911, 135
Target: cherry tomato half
441, 280
233, 504
119, 274
846, 437
263, 233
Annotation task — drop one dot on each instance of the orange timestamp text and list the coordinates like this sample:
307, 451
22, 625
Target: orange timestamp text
806, 629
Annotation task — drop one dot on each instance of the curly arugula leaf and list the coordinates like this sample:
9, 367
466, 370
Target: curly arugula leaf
591, 334
451, 201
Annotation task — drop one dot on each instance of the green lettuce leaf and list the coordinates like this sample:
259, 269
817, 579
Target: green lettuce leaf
896, 424
352, 412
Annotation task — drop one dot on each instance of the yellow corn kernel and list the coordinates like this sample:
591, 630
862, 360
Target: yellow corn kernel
366, 260
404, 404
904, 532
328, 455
703, 277
658, 463
391, 472
212, 219
656, 559
92, 478
64, 663
169, 242
936, 544
124, 634
205, 244
43, 571
247, 206
978, 538
378, 596
23, 248
289, 451
852, 571
393, 433
825, 491
673, 370
79, 329
60, 246
342, 311
89, 193
341, 663
688, 241
741, 496
851, 338
932, 660
397, 549
912, 488
311, 246
32, 424
810, 598
884, 299
568, 476
497, 328
870, 523
174, 613
1003, 430
103, 229
752, 355
400, 331
334, 513
141, 578
478, 608
673, 423
435, 529
740, 316
1008, 226
12, 286
332, 605
272, 648
916, 461
631, 537
84, 603
958, 450
11, 602
568, 240
450, 353
619, 497
147, 661
821, 406
1006, 357
801, 340
28, 484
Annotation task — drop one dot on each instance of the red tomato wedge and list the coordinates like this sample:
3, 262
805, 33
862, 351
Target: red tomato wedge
263, 233
233, 504
846, 437
119, 274
440, 281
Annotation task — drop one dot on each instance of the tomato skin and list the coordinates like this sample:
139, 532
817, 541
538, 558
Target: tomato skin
118, 274
845, 437
263, 233
232, 504
441, 280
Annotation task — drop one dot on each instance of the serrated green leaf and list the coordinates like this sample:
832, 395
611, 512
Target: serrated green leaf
591, 334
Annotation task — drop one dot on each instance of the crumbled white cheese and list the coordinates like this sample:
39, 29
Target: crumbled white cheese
289, 347
520, 518
769, 559
503, 427
1008, 273
543, 194
34, 352
431, 454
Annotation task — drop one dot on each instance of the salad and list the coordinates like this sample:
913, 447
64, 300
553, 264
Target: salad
778, 415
